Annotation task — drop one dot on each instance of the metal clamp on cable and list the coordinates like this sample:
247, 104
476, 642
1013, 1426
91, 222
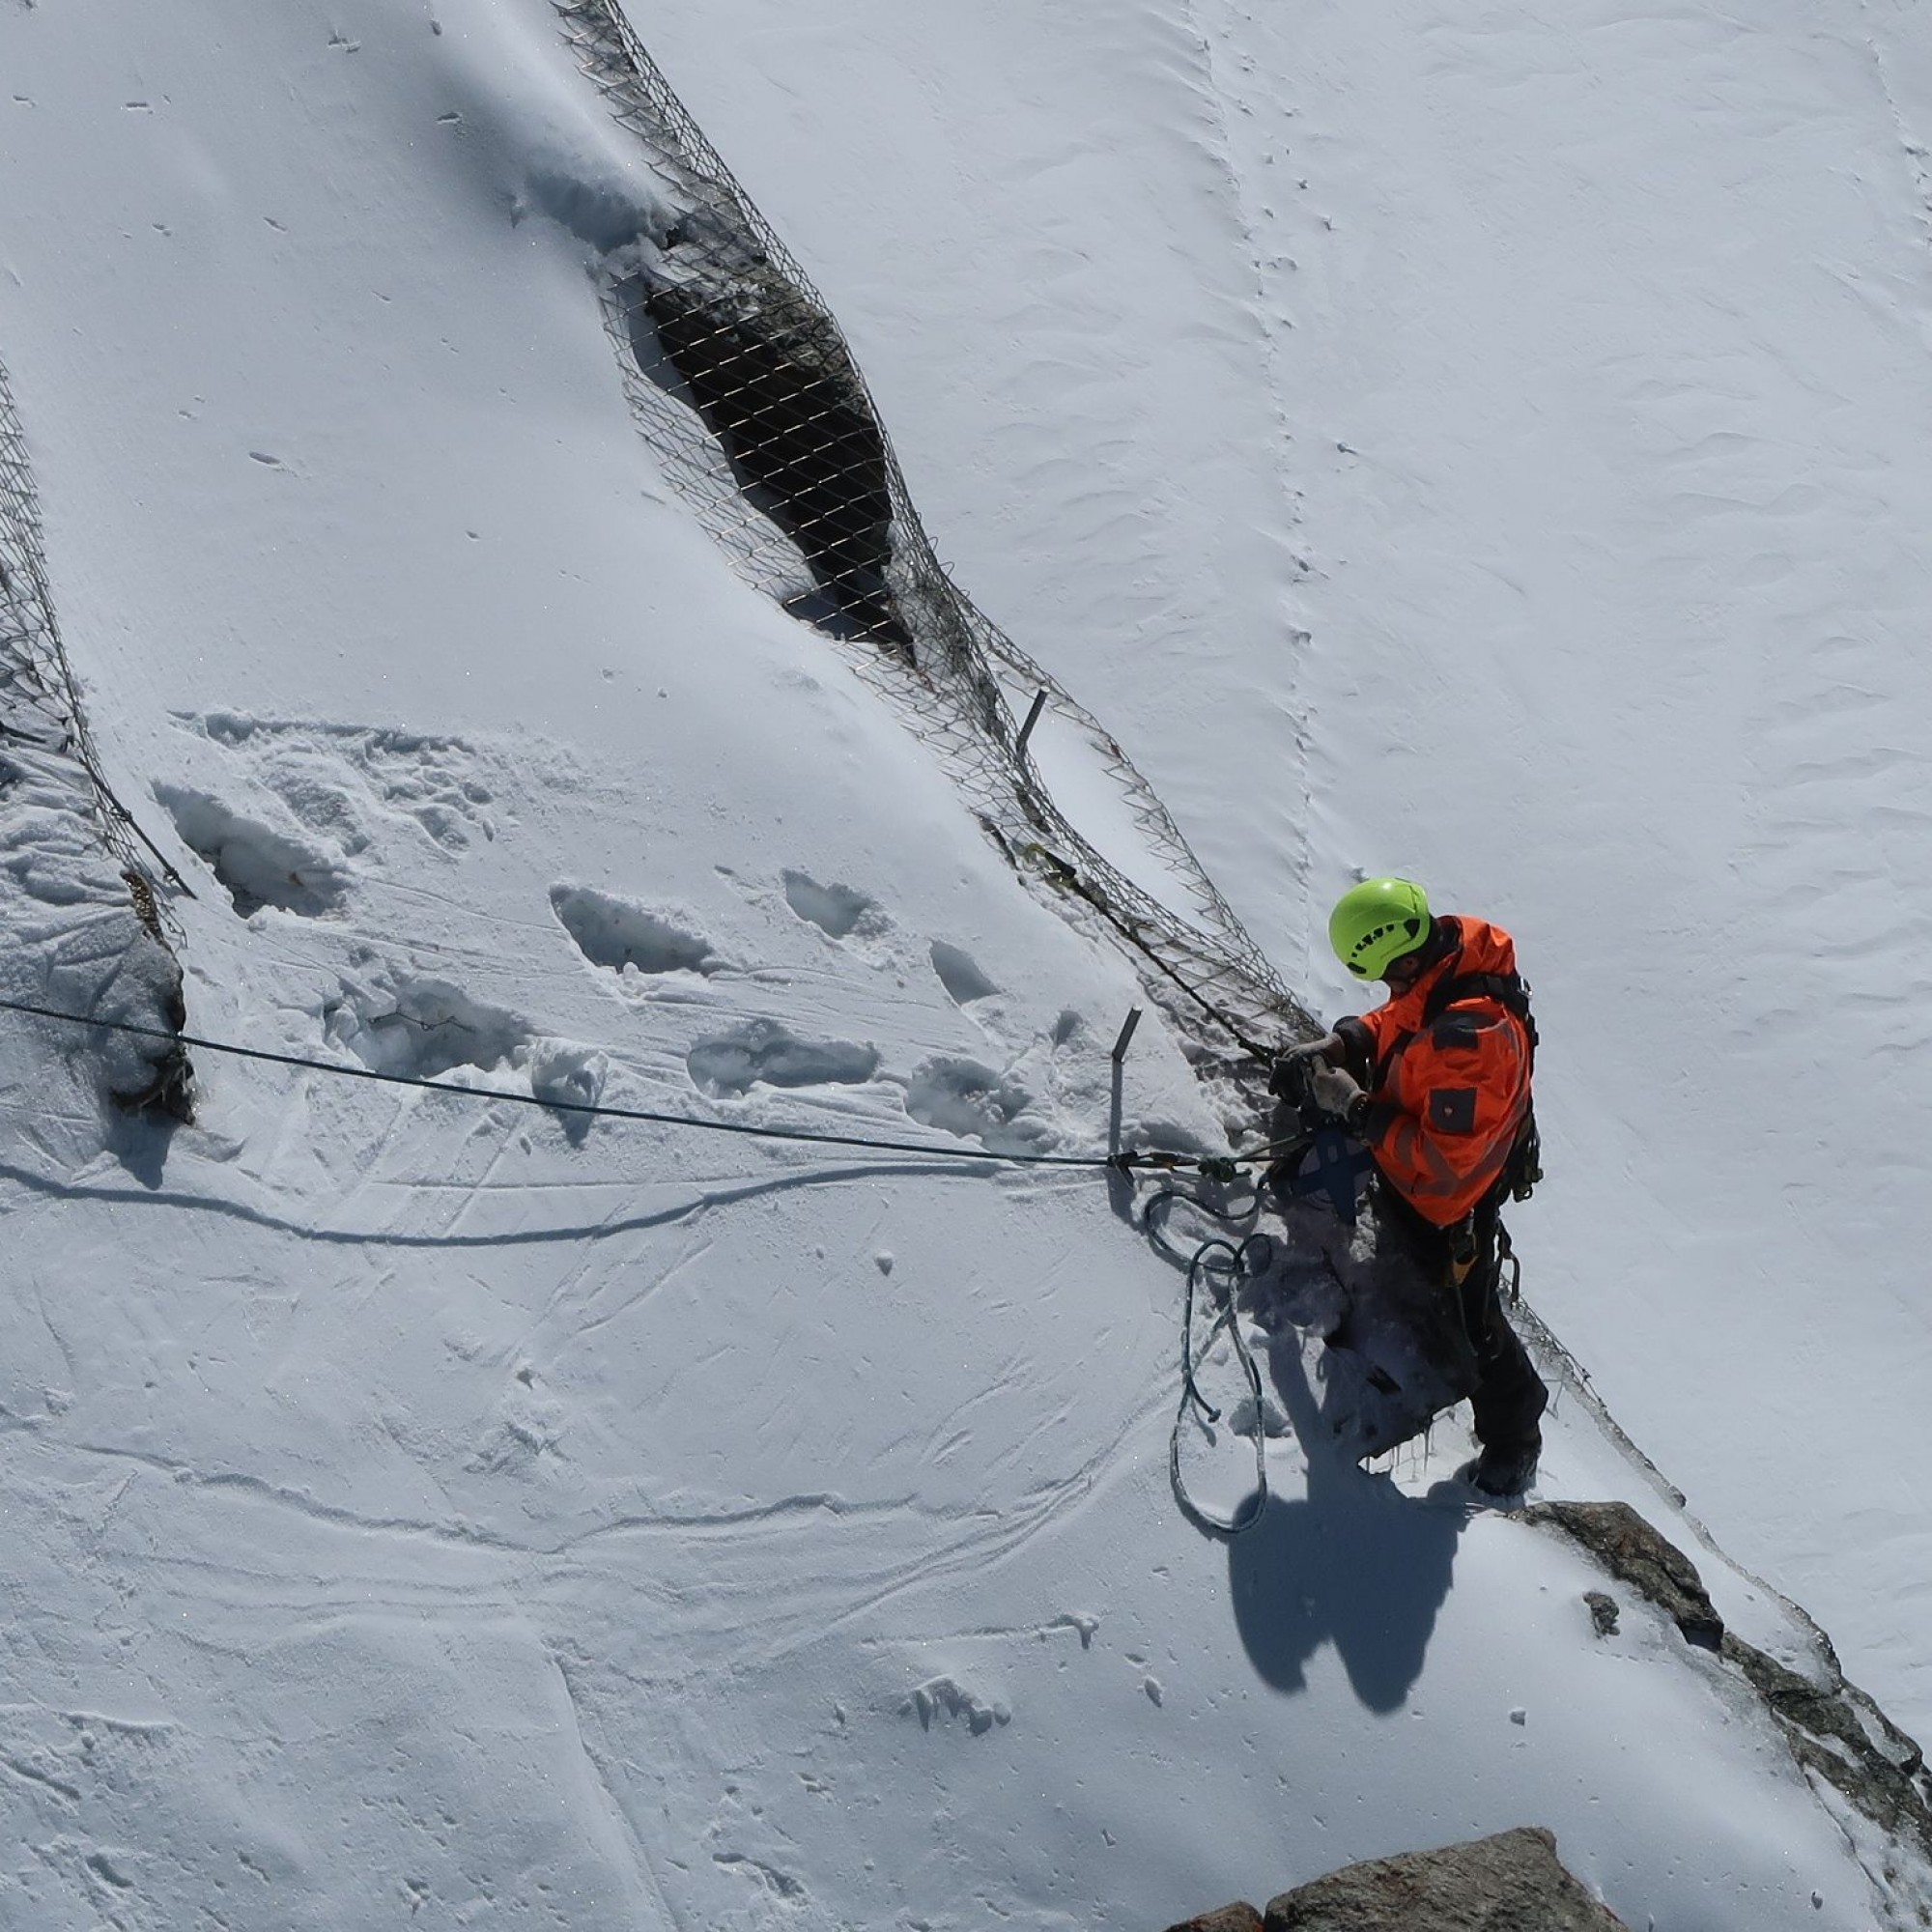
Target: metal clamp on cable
1210, 1167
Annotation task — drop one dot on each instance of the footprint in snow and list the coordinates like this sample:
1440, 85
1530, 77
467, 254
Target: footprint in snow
346, 782
972, 1101
258, 866
960, 975
421, 1029
837, 911
763, 1053
617, 933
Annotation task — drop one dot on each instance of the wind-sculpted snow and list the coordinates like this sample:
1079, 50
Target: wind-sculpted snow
81, 910
739, 374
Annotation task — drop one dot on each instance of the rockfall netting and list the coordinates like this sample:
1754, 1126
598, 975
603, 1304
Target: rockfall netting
87, 931
748, 391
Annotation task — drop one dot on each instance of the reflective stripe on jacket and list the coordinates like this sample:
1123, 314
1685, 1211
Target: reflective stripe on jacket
1446, 1097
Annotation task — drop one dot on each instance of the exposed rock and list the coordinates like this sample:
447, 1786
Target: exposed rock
1631, 1550
1835, 1731
773, 381
1604, 1612
1510, 1883
1240, 1917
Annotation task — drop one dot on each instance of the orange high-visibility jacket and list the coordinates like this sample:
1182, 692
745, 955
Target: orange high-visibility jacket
1446, 1097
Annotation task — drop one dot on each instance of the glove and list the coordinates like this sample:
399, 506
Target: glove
1334, 1090
1289, 1079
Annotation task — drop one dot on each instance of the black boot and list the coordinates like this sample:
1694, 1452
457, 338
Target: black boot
1503, 1468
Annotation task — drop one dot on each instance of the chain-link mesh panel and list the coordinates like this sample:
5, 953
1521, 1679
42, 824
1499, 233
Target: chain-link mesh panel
741, 378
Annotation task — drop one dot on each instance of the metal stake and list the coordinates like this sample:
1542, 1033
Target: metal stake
1032, 719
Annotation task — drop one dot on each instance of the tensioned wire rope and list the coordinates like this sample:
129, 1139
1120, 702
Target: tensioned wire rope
1212, 1165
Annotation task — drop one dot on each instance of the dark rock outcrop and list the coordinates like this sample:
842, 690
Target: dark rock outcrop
773, 380
1239, 1917
1631, 1550
1838, 1733
1835, 1731
160, 1083
1511, 1883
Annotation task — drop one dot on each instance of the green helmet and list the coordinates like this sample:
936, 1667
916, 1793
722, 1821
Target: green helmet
1375, 922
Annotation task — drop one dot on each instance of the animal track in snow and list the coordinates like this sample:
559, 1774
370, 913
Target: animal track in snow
763, 1053
259, 867
617, 933
946, 1696
837, 911
960, 975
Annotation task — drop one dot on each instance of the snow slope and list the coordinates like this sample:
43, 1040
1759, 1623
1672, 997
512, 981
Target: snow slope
426, 1510
1499, 439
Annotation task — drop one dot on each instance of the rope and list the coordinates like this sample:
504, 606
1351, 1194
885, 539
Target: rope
1120, 1163
1219, 1255
1205, 1263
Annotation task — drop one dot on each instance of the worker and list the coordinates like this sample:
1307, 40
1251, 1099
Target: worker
1436, 1084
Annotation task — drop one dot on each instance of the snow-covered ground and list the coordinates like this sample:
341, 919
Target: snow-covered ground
1499, 441
1490, 448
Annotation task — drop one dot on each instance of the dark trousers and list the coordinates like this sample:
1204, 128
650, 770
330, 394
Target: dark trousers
1509, 1397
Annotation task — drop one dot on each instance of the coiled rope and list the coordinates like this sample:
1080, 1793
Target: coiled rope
1205, 1265
1221, 1262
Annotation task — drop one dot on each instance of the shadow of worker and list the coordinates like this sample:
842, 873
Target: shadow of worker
1353, 1563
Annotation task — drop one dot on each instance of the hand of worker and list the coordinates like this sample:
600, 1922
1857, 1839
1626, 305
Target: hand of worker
1333, 1089
1289, 1080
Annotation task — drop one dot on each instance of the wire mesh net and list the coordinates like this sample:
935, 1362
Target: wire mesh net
88, 947
741, 378
40, 708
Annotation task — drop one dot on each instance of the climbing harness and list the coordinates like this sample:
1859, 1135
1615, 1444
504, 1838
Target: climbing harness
1330, 1163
